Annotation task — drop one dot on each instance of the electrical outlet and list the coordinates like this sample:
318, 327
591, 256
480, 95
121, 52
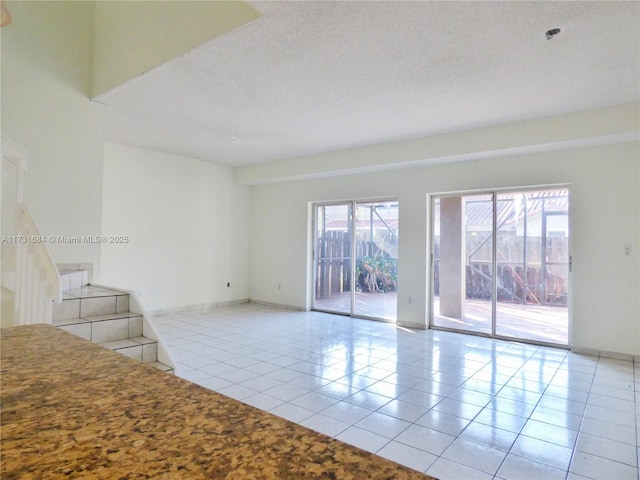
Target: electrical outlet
228, 284
139, 293
627, 250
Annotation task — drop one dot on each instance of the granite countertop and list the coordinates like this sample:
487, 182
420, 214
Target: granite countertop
72, 409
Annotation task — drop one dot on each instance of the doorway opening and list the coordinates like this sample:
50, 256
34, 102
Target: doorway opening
501, 264
356, 258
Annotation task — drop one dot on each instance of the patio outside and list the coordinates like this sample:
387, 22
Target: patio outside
539, 323
507, 247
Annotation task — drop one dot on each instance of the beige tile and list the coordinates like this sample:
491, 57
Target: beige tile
150, 352
118, 344
132, 352
122, 303
82, 330
97, 306
87, 291
110, 330
69, 321
143, 340
66, 309
109, 316
135, 327
162, 366
75, 279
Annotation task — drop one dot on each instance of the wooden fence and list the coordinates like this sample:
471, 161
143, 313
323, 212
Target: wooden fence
333, 272
550, 289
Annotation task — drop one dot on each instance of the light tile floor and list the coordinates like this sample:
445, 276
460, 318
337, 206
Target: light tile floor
454, 406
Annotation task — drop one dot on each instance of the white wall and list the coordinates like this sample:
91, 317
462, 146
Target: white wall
133, 38
46, 77
604, 217
187, 223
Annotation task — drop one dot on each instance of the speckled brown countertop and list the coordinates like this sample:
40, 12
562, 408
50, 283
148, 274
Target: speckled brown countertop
71, 409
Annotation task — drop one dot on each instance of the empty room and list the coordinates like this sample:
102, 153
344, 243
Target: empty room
320, 239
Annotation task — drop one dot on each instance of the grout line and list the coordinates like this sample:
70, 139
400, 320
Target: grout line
251, 317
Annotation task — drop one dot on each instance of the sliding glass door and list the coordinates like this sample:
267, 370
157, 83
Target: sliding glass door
533, 266
501, 264
356, 258
455, 250
334, 276
376, 255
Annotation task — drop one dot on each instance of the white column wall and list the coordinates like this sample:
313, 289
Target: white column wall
452, 274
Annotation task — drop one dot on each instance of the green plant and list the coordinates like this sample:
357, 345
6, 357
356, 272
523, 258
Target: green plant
378, 274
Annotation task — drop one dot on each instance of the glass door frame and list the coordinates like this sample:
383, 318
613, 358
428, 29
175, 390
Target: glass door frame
494, 283
352, 225
314, 256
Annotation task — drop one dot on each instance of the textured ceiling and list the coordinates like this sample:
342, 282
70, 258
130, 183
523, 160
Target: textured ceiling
311, 77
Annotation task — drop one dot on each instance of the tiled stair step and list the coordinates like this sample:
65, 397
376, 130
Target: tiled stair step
133, 345
162, 366
101, 315
142, 349
89, 301
104, 328
74, 279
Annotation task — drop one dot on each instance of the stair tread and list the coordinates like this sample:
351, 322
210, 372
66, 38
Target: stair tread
161, 366
69, 321
128, 342
95, 318
110, 316
89, 291
118, 344
143, 340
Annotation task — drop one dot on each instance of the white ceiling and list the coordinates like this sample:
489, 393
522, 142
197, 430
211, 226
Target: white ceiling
311, 77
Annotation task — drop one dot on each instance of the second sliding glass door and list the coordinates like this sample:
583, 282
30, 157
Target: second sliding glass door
501, 264
355, 259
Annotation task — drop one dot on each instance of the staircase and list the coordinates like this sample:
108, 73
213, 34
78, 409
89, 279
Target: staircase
101, 315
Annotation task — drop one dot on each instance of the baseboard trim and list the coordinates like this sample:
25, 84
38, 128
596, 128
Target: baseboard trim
605, 354
200, 307
203, 307
412, 326
279, 305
